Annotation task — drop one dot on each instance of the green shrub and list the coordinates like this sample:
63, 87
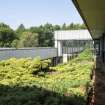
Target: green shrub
66, 86
86, 55
45, 65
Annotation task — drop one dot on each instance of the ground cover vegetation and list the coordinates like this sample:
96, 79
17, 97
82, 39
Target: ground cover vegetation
29, 81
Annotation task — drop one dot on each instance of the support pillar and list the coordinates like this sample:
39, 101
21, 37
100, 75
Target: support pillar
59, 46
102, 47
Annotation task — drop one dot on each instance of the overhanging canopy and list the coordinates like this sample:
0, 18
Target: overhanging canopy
93, 14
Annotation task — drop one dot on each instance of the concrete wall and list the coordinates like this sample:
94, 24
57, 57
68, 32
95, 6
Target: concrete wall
43, 52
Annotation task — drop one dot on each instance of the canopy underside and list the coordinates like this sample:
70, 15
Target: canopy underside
93, 14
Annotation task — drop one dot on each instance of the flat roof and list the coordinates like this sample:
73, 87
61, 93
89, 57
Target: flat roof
72, 35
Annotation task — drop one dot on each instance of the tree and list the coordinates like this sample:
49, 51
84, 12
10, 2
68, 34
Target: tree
7, 35
72, 26
41, 36
28, 39
46, 38
15, 43
45, 35
20, 29
64, 26
56, 27
83, 26
2, 25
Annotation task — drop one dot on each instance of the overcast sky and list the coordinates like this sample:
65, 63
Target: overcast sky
37, 12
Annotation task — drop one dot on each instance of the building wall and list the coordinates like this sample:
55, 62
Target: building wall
71, 37
102, 47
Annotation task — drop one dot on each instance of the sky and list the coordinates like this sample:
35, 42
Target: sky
37, 12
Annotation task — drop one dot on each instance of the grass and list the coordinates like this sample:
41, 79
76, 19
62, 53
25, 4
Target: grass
65, 84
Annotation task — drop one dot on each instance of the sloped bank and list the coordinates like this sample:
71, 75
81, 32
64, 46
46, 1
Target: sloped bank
82, 69
33, 82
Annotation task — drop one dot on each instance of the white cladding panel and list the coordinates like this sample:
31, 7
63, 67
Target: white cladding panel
72, 35
43, 53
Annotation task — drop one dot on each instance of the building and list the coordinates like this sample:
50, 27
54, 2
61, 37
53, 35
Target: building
71, 41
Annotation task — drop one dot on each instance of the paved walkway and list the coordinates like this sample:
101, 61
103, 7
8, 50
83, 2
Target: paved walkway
99, 85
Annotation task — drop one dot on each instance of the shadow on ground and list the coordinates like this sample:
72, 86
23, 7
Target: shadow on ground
15, 95
99, 84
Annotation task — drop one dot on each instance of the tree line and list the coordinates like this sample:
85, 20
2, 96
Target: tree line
37, 36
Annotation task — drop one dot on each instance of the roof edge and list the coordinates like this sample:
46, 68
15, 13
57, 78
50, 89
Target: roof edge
82, 15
